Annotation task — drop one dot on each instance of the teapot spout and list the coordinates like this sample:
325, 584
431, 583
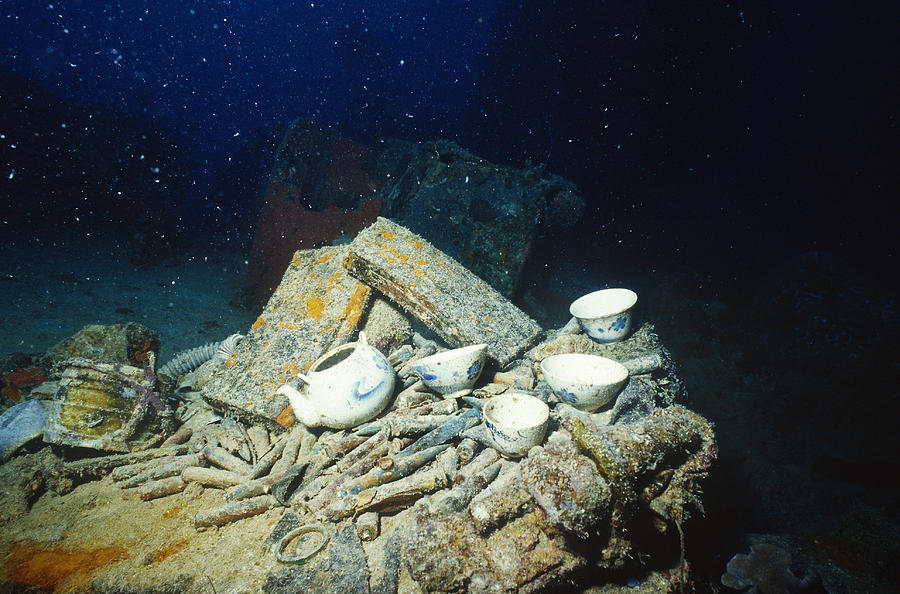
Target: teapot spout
303, 410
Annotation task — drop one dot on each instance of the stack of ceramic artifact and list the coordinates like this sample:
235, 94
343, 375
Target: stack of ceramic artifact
458, 468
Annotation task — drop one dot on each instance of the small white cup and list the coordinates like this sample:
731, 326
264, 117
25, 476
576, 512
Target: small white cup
587, 382
452, 373
605, 315
516, 421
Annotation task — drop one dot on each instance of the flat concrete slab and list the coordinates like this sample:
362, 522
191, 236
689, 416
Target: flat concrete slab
316, 306
460, 307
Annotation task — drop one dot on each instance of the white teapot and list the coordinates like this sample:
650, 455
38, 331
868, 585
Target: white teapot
345, 387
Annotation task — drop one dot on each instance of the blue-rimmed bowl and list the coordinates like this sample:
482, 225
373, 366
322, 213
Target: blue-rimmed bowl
605, 315
587, 382
516, 422
452, 373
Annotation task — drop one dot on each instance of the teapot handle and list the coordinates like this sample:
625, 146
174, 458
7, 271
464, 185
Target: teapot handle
305, 379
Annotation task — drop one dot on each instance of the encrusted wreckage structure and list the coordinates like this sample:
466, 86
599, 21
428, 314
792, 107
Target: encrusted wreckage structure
419, 498
324, 189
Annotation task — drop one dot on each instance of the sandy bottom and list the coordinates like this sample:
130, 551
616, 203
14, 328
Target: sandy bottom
103, 538
51, 289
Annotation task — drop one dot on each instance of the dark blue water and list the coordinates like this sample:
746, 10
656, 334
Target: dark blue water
738, 154
740, 131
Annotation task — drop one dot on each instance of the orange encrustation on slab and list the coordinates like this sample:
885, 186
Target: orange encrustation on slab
34, 567
259, 322
355, 308
323, 258
315, 307
291, 367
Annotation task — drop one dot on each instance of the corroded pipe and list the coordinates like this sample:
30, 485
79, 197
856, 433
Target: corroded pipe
221, 458
398, 495
234, 511
457, 498
249, 489
212, 477
487, 457
643, 364
361, 467
267, 460
292, 446
466, 450
127, 471
161, 488
399, 468
444, 433
501, 500
406, 425
367, 526
161, 471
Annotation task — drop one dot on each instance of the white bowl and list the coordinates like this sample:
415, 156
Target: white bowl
516, 421
605, 315
452, 373
587, 382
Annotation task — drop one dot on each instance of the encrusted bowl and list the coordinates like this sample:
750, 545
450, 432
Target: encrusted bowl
605, 315
587, 382
516, 421
452, 373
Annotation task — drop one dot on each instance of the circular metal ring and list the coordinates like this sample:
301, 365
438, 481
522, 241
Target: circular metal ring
300, 531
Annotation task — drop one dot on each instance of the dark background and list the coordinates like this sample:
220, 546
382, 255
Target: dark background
726, 134
753, 144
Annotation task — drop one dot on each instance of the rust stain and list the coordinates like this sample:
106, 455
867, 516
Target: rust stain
355, 307
286, 417
32, 567
173, 511
169, 550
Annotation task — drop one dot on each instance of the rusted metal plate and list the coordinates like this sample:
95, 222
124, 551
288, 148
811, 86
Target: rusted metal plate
317, 305
460, 307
